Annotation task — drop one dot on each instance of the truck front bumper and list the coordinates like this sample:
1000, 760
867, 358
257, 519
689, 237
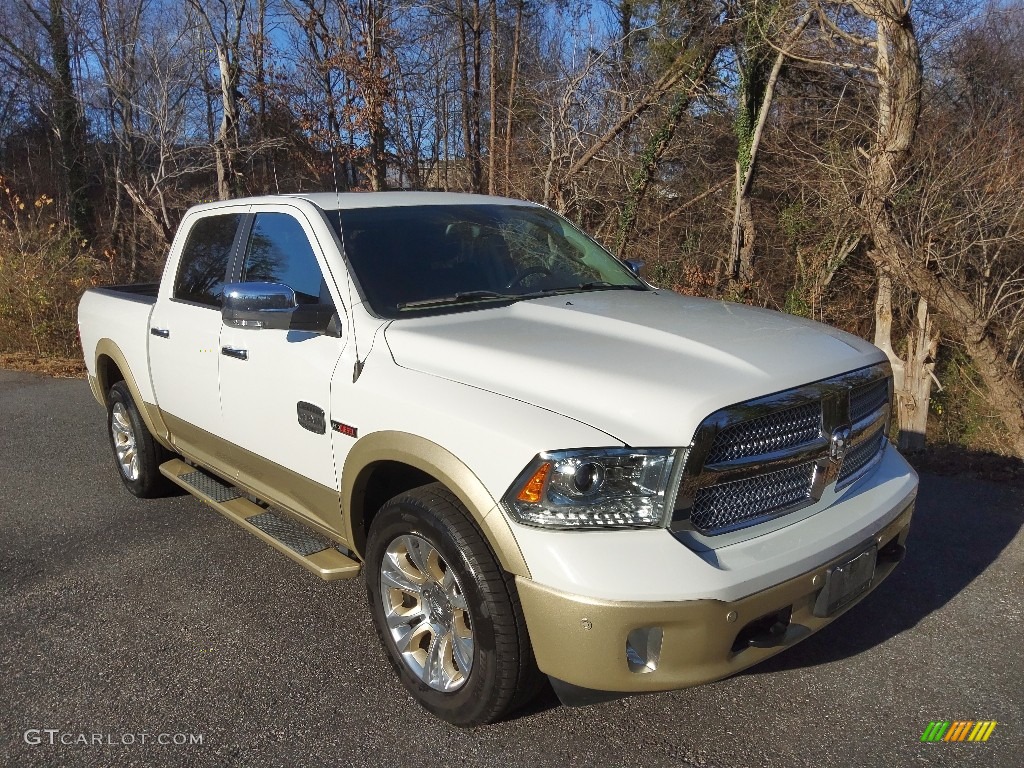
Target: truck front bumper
585, 642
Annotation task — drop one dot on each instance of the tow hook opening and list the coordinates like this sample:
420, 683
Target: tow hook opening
766, 631
892, 552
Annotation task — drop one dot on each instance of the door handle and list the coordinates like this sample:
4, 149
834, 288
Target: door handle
238, 354
163, 333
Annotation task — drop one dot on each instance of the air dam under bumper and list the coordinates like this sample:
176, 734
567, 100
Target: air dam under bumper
583, 642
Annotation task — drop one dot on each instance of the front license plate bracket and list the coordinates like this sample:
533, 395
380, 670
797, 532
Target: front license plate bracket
845, 582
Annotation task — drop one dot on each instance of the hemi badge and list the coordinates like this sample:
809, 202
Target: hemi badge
344, 429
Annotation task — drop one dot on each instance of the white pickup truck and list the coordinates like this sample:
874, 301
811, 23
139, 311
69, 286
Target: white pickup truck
543, 463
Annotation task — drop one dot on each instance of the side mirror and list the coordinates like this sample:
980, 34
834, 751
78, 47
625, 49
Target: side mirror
274, 306
635, 265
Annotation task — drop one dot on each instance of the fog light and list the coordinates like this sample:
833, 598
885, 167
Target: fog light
643, 649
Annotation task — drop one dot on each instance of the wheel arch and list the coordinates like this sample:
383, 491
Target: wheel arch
111, 367
414, 458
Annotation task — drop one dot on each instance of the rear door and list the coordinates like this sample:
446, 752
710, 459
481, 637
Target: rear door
276, 384
185, 327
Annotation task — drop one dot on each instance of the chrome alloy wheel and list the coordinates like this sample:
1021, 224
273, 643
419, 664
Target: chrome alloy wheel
124, 442
426, 613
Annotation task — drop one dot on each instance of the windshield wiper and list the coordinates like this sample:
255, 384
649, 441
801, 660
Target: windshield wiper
601, 285
465, 297
459, 298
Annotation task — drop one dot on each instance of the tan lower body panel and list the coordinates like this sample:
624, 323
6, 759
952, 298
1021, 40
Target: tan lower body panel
329, 564
305, 500
94, 386
439, 463
583, 641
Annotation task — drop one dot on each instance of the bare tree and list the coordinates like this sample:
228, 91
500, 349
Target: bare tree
895, 73
168, 104
373, 79
223, 21
759, 68
470, 42
517, 35
63, 106
688, 63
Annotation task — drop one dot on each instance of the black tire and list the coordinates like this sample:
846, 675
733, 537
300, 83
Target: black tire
503, 675
148, 482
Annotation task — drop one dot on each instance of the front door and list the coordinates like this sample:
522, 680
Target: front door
276, 384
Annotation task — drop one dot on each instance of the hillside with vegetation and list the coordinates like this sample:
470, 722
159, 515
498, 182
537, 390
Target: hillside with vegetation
852, 162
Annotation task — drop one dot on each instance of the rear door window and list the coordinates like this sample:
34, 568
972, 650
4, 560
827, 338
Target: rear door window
204, 260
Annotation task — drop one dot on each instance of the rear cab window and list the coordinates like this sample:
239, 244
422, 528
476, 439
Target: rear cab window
203, 266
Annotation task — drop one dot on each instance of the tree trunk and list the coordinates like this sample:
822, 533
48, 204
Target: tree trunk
912, 401
912, 377
375, 94
69, 123
1004, 390
259, 46
476, 159
513, 77
226, 37
744, 233
757, 91
624, 65
492, 87
226, 148
657, 145
467, 130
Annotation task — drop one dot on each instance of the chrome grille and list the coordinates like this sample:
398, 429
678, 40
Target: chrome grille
724, 507
860, 455
868, 398
765, 458
774, 432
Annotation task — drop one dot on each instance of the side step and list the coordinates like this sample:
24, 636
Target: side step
307, 548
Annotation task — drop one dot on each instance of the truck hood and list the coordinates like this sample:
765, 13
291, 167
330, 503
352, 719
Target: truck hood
644, 367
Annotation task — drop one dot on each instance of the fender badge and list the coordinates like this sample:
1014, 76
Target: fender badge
344, 429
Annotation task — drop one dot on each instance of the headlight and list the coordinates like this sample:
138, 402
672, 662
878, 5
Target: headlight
594, 488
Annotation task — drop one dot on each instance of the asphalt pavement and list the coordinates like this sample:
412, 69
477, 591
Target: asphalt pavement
125, 623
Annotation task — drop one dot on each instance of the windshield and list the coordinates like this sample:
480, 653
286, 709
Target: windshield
411, 260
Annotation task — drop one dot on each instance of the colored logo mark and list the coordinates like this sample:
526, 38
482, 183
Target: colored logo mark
959, 730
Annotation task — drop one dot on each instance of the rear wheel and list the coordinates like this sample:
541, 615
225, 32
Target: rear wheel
137, 455
447, 615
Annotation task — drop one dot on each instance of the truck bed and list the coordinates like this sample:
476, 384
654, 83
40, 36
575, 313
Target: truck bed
141, 292
117, 316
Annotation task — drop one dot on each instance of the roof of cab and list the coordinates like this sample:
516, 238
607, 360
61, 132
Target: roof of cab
334, 200
330, 201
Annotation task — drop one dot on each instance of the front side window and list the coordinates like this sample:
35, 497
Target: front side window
279, 252
204, 260
421, 258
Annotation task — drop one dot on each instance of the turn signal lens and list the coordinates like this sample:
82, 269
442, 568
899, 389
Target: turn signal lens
533, 491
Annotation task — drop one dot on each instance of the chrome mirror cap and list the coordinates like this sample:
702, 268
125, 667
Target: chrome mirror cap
258, 297
275, 306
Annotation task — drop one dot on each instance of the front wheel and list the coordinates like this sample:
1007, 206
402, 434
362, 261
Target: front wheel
447, 615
